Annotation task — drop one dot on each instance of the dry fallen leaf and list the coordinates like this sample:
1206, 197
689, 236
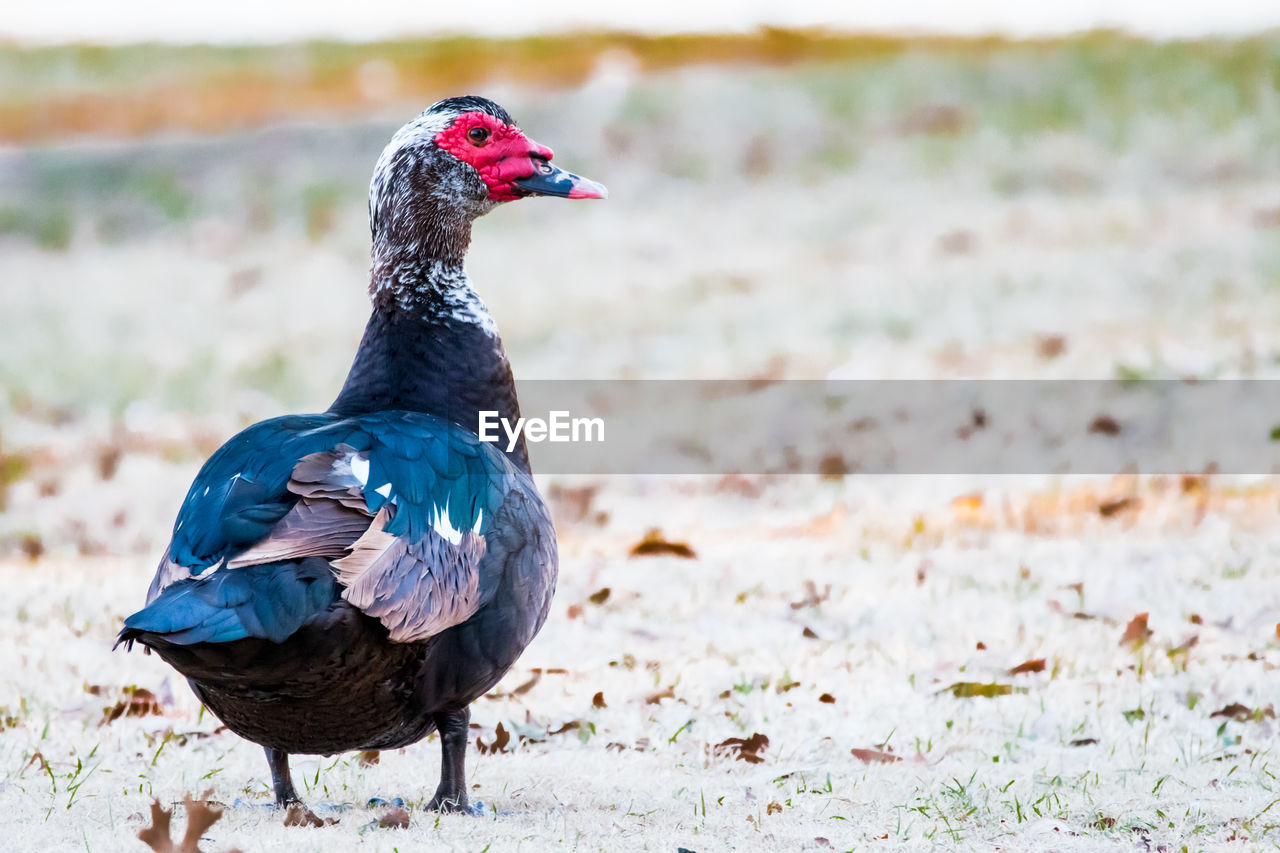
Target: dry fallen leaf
1243, 713
396, 818
654, 545
744, 749
1104, 425
1034, 665
774, 808
299, 815
1109, 508
157, 835
874, 756
597, 701
668, 692
136, 702
369, 757
812, 598
525, 687
200, 816
1136, 632
501, 737
827, 699
1050, 346
600, 596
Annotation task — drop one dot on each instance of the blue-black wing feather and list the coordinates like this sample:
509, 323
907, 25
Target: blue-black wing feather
422, 464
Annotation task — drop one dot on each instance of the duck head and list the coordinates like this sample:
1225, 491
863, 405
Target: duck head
459, 159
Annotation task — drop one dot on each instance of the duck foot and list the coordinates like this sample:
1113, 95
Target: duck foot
476, 809
451, 794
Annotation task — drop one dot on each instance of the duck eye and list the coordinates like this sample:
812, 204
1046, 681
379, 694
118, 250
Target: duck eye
478, 135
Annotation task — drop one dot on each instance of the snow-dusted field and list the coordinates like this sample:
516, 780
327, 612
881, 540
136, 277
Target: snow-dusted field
906, 219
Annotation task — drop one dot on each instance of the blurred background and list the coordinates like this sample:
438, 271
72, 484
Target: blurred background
183, 235
905, 190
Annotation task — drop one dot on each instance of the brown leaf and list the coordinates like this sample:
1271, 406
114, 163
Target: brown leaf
1104, 425
396, 818
597, 701
874, 756
668, 692
571, 726
575, 610
156, 836
1050, 346
1136, 632
600, 596
739, 485
200, 816
1084, 741
827, 699
812, 598
137, 702
1109, 508
524, 688
744, 749
1034, 665
501, 737
370, 757
654, 545
773, 808
832, 466
809, 634
299, 815
1243, 713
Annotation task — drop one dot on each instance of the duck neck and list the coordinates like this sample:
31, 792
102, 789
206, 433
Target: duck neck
430, 346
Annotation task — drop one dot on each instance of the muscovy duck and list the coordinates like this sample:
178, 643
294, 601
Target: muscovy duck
355, 579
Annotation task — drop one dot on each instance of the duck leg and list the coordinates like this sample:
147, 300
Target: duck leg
451, 794
278, 760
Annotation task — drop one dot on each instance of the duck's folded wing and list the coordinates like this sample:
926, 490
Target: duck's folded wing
416, 578
398, 518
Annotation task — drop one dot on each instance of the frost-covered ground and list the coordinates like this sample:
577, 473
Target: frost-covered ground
1060, 215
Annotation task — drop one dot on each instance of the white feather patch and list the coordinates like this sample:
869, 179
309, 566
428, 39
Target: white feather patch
360, 469
442, 525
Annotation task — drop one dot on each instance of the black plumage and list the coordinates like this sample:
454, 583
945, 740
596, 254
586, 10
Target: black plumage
355, 579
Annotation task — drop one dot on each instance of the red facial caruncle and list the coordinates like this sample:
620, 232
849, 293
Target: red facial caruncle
500, 152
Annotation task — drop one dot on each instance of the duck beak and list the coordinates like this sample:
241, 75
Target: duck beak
552, 180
